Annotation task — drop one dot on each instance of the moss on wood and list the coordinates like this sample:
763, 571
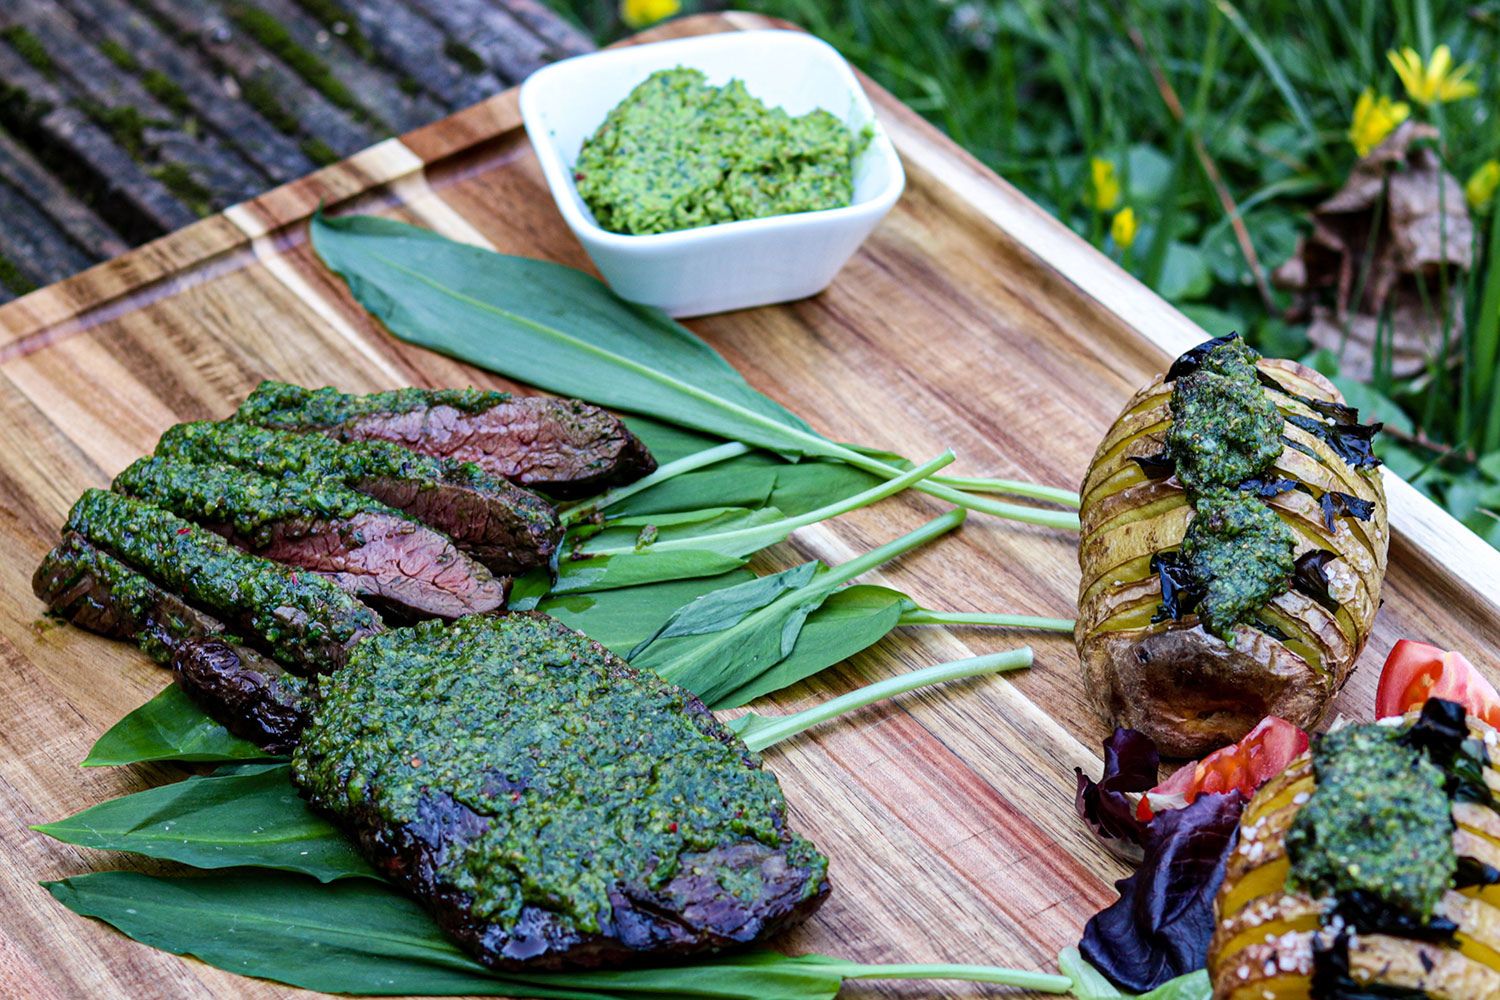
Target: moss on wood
11, 278
332, 15
276, 39
30, 48
468, 60
185, 188
166, 90
119, 55
319, 152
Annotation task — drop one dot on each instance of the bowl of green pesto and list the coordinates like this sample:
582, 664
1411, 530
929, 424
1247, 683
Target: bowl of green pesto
713, 173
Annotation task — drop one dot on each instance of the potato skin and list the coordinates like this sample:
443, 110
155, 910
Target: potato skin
1188, 690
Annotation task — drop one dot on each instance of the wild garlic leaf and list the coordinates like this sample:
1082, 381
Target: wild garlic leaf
720, 609
249, 815
848, 621
550, 326
620, 618
743, 482
564, 331
741, 658
170, 727
359, 936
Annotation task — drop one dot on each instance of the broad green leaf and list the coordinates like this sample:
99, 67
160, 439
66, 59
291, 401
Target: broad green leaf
621, 618
668, 442
743, 482
170, 727
550, 326
742, 658
848, 622
362, 937
810, 484
251, 815
563, 330
728, 606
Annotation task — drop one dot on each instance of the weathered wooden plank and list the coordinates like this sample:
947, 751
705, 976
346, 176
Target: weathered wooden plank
376, 91
266, 82
200, 175
414, 45
34, 248
76, 220
485, 34
85, 155
192, 83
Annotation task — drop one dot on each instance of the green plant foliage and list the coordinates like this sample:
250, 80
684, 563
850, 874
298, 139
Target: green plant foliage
170, 727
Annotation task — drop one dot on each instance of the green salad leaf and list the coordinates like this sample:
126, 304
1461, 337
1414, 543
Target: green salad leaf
361, 937
169, 727
564, 331
248, 814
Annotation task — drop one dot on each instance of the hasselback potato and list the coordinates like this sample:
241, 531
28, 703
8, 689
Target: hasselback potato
1194, 632
1346, 880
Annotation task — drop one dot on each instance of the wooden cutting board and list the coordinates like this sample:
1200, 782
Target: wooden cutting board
970, 320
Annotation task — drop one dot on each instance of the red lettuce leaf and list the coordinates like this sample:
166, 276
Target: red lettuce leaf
1160, 926
1130, 765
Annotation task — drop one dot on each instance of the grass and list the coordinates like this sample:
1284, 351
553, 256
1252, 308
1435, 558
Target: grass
1226, 122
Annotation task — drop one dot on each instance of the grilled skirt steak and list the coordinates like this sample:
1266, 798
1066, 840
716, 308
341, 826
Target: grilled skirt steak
306, 622
360, 544
552, 806
563, 447
509, 529
249, 693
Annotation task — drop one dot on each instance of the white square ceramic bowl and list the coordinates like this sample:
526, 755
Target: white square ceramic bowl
733, 265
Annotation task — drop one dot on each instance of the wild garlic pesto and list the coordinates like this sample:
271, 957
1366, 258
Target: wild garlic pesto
1225, 427
553, 774
679, 153
1241, 551
1378, 822
1225, 430
278, 404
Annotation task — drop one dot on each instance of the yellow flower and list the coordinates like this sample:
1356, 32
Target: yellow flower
1105, 184
1438, 81
1122, 229
643, 13
1480, 188
1374, 117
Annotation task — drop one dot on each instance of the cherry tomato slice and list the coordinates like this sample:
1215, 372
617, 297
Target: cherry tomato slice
1416, 671
1264, 753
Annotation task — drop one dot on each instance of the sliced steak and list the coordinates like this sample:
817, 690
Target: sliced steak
509, 529
304, 621
590, 815
362, 545
249, 693
563, 447
250, 696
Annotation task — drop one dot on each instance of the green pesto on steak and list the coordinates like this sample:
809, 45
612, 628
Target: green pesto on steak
278, 404
678, 153
1225, 427
1241, 552
249, 503
1379, 821
298, 617
589, 775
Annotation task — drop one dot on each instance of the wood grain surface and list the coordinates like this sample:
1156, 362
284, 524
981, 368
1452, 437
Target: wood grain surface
970, 320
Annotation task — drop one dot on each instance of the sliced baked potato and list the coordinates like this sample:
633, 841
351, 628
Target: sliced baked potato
1169, 676
1273, 939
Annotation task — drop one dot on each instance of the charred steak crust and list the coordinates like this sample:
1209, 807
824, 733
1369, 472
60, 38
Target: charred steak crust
96, 591
552, 806
564, 447
304, 621
251, 697
249, 694
507, 528
323, 526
